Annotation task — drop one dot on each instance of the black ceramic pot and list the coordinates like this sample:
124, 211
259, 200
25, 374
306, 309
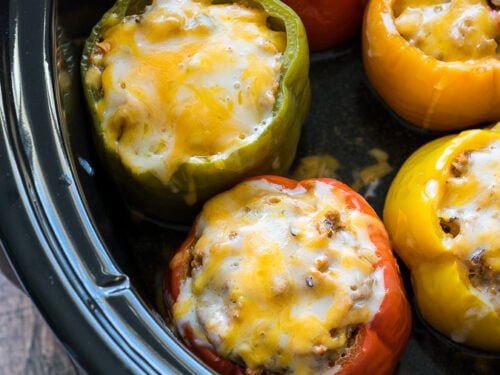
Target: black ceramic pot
56, 228
93, 268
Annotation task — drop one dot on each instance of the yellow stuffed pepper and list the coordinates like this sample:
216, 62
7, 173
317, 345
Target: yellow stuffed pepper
442, 213
435, 62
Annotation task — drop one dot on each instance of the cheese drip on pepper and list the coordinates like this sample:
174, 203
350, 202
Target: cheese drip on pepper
187, 79
449, 30
469, 213
281, 277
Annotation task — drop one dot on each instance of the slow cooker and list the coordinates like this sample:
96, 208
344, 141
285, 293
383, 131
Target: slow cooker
55, 228
92, 267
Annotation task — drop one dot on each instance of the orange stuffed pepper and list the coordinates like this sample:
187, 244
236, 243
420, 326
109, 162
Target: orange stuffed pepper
435, 62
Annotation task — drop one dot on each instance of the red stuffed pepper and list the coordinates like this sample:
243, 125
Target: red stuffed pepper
329, 23
282, 276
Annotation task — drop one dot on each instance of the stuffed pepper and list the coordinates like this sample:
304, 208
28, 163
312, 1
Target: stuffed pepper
442, 213
435, 62
281, 276
189, 97
329, 23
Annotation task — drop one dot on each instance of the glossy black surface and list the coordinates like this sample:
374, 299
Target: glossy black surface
54, 225
94, 269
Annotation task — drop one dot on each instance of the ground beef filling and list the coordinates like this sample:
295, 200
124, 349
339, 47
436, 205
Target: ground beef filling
469, 216
450, 30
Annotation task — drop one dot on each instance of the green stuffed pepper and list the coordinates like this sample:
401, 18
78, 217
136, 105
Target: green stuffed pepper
189, 97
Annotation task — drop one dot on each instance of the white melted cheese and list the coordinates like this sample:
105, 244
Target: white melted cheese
449, 30
474, 199
277, 288
187, 79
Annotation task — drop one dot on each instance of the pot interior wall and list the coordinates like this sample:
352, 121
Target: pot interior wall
348, 126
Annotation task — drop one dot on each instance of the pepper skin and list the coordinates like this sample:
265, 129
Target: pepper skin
329, 23
194, 180
425, 236
429, 93
377, 345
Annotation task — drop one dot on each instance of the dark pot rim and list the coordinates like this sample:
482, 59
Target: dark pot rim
50, 240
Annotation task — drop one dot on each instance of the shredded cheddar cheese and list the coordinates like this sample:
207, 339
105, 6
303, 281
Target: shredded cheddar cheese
449, 30
186, 79
281, 278
313, 166
469, 213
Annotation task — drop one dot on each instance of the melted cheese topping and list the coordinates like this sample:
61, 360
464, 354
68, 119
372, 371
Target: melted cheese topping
281, 278
187, 79
470, 215
449, 30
